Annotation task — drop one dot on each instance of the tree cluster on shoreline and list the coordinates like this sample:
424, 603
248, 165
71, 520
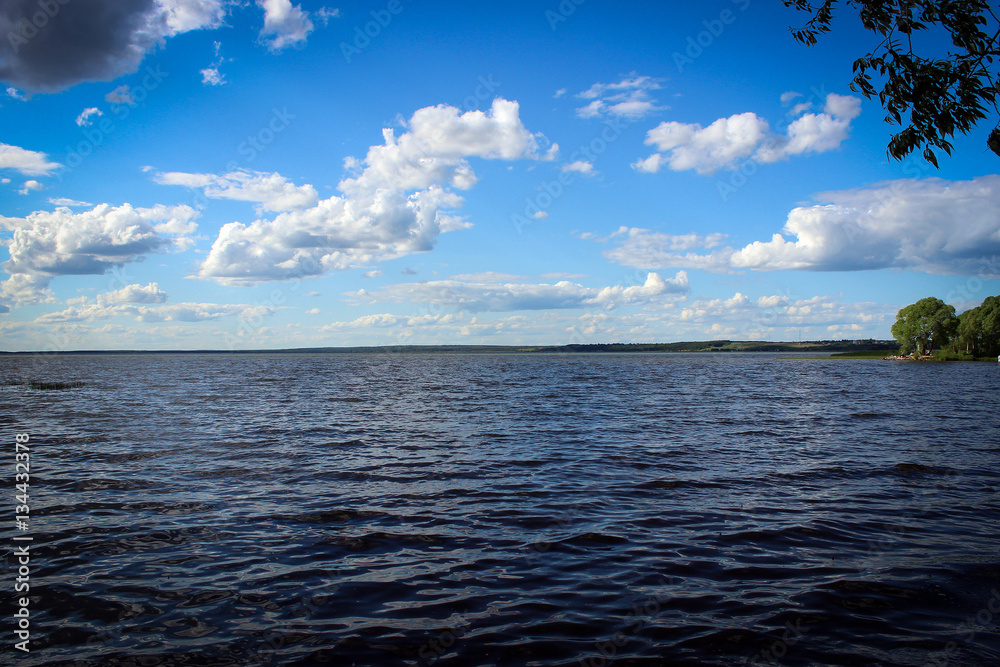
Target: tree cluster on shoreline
929, 322
979, 329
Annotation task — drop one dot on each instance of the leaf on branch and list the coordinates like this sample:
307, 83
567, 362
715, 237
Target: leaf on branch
994, 141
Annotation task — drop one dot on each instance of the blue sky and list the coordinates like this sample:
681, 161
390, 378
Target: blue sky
181, 175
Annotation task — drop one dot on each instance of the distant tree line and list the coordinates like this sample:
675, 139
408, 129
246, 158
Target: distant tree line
931, 322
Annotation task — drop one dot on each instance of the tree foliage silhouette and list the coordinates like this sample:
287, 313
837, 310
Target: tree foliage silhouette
933, 95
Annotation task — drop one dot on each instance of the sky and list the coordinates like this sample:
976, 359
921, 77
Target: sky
263, 175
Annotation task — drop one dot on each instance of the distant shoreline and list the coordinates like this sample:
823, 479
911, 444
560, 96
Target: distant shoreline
829, 346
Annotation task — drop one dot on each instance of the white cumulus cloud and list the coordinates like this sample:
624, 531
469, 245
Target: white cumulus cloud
210, 76
272, 191
179, 312
84, 119
580, 167
727, 142
494, 296
147, 294
64, 201
120, 95
930, 225
801, 108
186, 15
629, 98
395, 204
29, 163
706, 149
642, 248
47, 244
782, 316
29, 186
285, 24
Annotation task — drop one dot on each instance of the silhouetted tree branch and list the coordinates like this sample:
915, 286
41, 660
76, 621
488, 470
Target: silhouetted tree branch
941, 95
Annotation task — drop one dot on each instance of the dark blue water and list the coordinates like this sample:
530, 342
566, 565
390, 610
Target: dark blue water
506, 510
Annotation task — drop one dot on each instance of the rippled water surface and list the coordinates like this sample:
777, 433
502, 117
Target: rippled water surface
507, 510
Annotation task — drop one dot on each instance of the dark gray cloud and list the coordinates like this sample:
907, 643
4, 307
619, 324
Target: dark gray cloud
48, 46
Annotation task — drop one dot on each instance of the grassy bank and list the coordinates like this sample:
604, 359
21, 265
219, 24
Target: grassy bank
944, 355
940, 355
859, 354
866, 354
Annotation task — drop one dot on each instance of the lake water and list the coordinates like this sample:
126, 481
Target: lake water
498, 509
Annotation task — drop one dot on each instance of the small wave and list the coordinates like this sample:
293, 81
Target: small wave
330, 516
128, 456
577, 542
103, 484
344, 443
681, 484
168, 508
920, 468
380, 540
814, 473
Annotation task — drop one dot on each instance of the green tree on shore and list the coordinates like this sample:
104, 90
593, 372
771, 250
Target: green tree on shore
979, 329
923, 324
